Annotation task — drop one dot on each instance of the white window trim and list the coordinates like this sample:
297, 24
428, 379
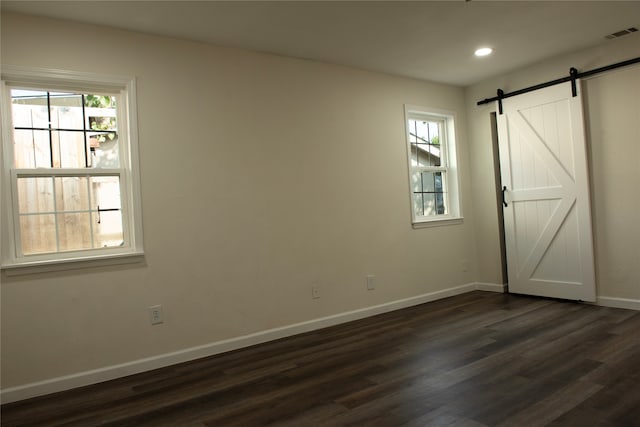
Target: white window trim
455, 208
71, 80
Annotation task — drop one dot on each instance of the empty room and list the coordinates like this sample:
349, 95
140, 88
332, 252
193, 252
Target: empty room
320, 213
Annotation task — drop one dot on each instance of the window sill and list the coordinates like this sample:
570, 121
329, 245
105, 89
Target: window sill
36, 267
437, 222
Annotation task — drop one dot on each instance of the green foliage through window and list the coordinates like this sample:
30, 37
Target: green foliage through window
99, 101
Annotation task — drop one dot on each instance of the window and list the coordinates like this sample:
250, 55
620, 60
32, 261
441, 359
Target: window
432, 166
70, 181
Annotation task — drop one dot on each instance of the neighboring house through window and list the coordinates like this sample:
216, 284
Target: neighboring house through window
432, 159
71, 186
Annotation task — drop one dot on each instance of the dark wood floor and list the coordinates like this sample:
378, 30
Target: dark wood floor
478, 359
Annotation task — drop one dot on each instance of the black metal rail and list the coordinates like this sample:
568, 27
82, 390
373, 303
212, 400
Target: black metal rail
574, 74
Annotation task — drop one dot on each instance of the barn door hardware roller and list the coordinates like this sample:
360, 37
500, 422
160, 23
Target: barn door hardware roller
573, 73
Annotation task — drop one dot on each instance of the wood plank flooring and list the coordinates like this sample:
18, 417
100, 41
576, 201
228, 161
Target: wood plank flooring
478, 359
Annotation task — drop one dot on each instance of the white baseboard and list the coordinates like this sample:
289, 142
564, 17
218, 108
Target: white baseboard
134, 367
491, 287
614, 302
631, 304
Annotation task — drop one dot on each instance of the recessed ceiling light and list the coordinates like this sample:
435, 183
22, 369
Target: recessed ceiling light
484, 51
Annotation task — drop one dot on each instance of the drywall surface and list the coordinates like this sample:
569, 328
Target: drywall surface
261, 176
612, 114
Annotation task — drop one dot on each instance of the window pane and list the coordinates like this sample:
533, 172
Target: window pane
418, 192
72, 193
439, 182
74, 231
38, 234
101, 118
35, 195
416, 182
441, 193
29, 108
425, 155
440, 204
99, 101
69, 149
105, 192
32, 149
104, 150
429, 204
428, 181
66, 111
419, 157
435, 155
417, 204
107, 225
424, 138
108, 232
428, 193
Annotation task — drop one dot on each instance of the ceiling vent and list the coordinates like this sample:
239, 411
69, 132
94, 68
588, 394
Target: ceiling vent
621, 33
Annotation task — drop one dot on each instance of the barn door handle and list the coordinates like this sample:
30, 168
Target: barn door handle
504, 201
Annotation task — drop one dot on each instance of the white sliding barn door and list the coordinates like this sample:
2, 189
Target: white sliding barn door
547, 219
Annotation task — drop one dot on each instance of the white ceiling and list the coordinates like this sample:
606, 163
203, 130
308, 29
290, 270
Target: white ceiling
432, 40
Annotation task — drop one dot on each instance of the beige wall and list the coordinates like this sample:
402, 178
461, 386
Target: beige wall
612, 113
260, 175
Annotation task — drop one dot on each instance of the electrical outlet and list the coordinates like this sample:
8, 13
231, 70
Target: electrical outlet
315, 292
371, 285
464, 265
155, 314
